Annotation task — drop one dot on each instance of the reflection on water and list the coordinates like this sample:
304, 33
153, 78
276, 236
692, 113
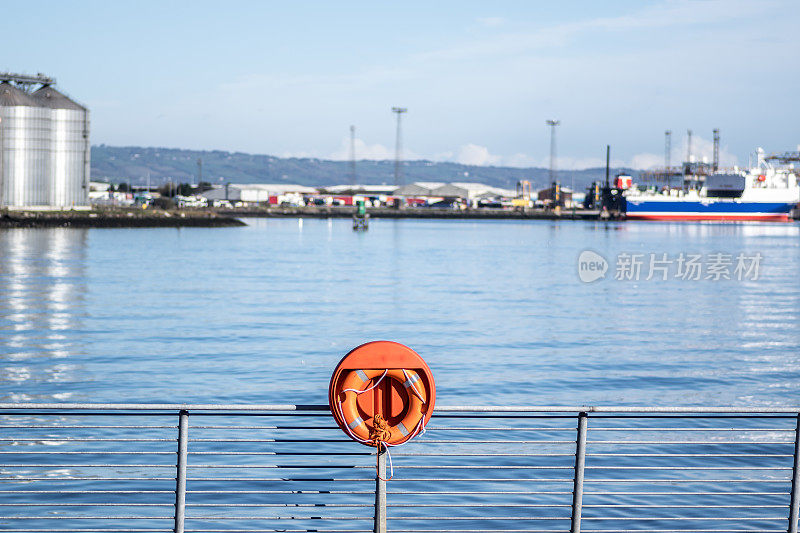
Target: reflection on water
42, 292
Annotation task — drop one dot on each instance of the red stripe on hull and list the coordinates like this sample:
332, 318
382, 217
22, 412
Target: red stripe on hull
781, 217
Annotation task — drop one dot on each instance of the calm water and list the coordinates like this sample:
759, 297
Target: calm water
263, 313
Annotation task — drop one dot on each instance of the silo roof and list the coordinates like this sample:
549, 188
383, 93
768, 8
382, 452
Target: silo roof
11, 96
49, 97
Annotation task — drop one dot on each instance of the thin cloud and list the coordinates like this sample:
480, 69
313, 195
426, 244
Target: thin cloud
491, 22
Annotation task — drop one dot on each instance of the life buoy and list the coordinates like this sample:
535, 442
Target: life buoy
356, 382
382, 392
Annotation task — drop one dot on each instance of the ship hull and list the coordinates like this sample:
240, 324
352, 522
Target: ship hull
718, 211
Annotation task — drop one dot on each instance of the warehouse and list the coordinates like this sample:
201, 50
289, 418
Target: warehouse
258, 193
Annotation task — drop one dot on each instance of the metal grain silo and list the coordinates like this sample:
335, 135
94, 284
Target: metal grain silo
68, 174
25, 145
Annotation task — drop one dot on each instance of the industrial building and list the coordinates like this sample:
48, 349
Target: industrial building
471, 191
418, 188
44, 138
256, 193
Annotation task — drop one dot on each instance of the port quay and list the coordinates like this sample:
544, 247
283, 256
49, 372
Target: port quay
45, 181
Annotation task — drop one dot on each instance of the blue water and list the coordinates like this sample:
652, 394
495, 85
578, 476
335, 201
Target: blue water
262, 314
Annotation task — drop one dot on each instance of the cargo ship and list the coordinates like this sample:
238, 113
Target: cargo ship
764, 193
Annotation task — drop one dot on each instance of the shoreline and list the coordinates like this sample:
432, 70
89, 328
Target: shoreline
116, 218
221, 218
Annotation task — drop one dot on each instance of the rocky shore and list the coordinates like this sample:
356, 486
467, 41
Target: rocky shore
116, 218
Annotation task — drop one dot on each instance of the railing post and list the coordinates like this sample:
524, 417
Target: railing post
580, 461
180, 486
794, 504
380, 492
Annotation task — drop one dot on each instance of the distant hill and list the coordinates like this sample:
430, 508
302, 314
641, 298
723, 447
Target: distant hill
132, 164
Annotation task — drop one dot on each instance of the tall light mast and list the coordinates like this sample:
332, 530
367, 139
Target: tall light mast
352, 155
398, 148
667, 149
553, 124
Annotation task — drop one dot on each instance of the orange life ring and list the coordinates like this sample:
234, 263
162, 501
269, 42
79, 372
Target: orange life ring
382, 391
357, 381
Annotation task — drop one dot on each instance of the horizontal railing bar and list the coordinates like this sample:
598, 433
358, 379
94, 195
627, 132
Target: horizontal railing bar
298, 467
688, 506
717, 493
57, 491
589, 480
298, 454
471, 530
485, 479
525, 518
396, 467
482, 467
93, 529
79, 517
528, 480
670, 442
266, 427
79, 465
279, 517
498, 428
682, 518
94, 504
476, 530
84, 427
63, 479
174, 407
358, 505
187, 518
607, 409
285, 479
495, 441
281, 530
278, 505
85, 452
744, 430
468, 505
470, 518
687, 467
51, 438
457, 493
562, 531
272, 440
689, 455
421, 454
280, 492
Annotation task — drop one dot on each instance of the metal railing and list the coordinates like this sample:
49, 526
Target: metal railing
269, 468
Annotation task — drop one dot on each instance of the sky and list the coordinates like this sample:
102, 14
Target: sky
479, 79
